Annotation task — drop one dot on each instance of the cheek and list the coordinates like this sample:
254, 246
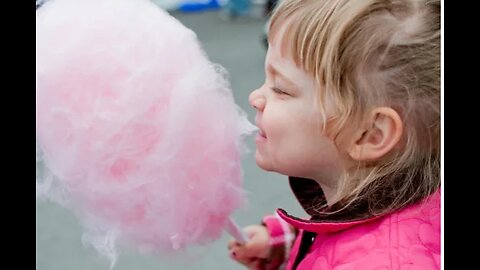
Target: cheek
292, 149
304, 146
273, 123
291, 128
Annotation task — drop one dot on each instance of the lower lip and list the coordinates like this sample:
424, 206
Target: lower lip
260, 139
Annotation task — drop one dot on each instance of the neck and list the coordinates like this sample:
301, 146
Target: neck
328, 191
328, 183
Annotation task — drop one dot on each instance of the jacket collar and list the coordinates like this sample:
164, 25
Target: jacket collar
309, 194
319, 226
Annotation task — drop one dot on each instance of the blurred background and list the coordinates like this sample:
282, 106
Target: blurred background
232, 33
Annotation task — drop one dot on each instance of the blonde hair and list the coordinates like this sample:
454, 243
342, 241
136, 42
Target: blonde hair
367, 53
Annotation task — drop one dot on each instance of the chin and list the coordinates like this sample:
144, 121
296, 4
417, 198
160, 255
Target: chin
262, 163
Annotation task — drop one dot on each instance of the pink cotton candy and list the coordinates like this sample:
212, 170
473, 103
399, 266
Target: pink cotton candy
137, 130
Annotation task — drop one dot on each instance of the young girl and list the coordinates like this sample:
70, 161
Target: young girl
350, 111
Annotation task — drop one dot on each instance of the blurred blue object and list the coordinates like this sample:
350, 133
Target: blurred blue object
237, 7
194, 6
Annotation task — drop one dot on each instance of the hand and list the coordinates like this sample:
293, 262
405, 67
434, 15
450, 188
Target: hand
256, 251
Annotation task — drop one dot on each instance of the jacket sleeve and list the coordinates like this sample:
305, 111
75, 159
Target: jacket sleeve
282, 236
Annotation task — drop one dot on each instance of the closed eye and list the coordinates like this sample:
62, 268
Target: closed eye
278, 91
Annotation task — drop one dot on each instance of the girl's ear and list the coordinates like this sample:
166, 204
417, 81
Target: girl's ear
381, 132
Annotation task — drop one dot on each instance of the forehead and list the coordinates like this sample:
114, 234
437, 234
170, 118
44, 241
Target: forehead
281, 62
281, 37
281, 65
280, 53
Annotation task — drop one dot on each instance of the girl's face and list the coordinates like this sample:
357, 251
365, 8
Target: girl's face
290, 139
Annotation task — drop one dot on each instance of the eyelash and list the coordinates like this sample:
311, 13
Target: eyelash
278, 91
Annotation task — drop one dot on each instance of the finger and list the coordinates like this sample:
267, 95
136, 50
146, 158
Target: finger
232, 243
253, 249
249, 232
237, 254
244, 261
256, 264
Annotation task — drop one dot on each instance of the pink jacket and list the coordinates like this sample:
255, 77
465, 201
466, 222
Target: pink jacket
406, 239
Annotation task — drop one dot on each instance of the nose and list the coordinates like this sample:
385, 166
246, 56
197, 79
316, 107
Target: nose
257, 100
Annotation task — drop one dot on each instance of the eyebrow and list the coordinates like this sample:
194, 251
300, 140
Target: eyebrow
275, 72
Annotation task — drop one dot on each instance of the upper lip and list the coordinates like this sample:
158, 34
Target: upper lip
261, 133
